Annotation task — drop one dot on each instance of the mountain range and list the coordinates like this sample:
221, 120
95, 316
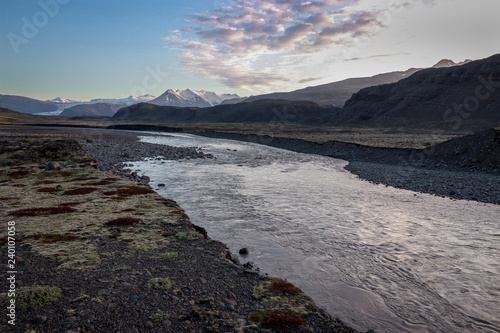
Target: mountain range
108, 106
446, 97
337, 93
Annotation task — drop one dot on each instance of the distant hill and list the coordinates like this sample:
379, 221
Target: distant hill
447, 97
13, 117
303, 112
25, 104
92, 110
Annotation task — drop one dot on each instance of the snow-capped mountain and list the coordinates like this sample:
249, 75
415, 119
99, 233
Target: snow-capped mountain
64, 103
61, 100
194, 98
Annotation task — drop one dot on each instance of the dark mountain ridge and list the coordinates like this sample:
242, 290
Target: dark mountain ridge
92, 110
466, 96
304, 112
25, 104
335, 93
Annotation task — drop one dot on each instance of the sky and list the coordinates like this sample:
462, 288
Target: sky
85, 49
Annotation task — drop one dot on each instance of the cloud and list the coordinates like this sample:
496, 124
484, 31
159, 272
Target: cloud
263, 45
379, 56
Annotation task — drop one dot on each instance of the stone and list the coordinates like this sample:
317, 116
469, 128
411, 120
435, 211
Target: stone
244, 251
134, 298
149, 325
40, 319
161, 185
53, 166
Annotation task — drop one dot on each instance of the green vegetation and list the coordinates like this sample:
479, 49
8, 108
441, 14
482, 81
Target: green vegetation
160, 316
36, 296
190, 236
169, 256
160, 283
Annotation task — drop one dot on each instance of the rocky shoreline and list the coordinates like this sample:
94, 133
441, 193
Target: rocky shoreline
100, 253
461, 174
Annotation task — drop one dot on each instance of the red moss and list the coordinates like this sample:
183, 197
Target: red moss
65, 173
278, 320
134, 190
18, 174
53, 238
81, 179
99, 183
70, 204
48, 190
109, 193
138, 213
129, 210
114, 236
46, 182
284, 286
8, 198
79, 191
43, 211
111, 179
19, 185
123, 221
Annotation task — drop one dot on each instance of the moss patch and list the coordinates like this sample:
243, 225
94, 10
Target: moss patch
160, 283
278, 320
36, 296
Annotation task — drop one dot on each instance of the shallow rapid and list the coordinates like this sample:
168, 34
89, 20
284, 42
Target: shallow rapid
374, 256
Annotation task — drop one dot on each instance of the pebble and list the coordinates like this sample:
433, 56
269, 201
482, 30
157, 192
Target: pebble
40, 319
53, 166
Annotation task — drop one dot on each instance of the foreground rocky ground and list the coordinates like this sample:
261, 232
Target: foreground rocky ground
100, 253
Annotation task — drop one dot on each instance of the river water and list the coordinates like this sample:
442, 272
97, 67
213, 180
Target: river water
376, 257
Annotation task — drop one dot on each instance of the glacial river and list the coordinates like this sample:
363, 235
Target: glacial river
376, 257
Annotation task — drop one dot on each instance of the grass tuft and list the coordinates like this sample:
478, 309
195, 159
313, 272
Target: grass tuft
190, 236
169, 256
160, 283
160, 316
36, 296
